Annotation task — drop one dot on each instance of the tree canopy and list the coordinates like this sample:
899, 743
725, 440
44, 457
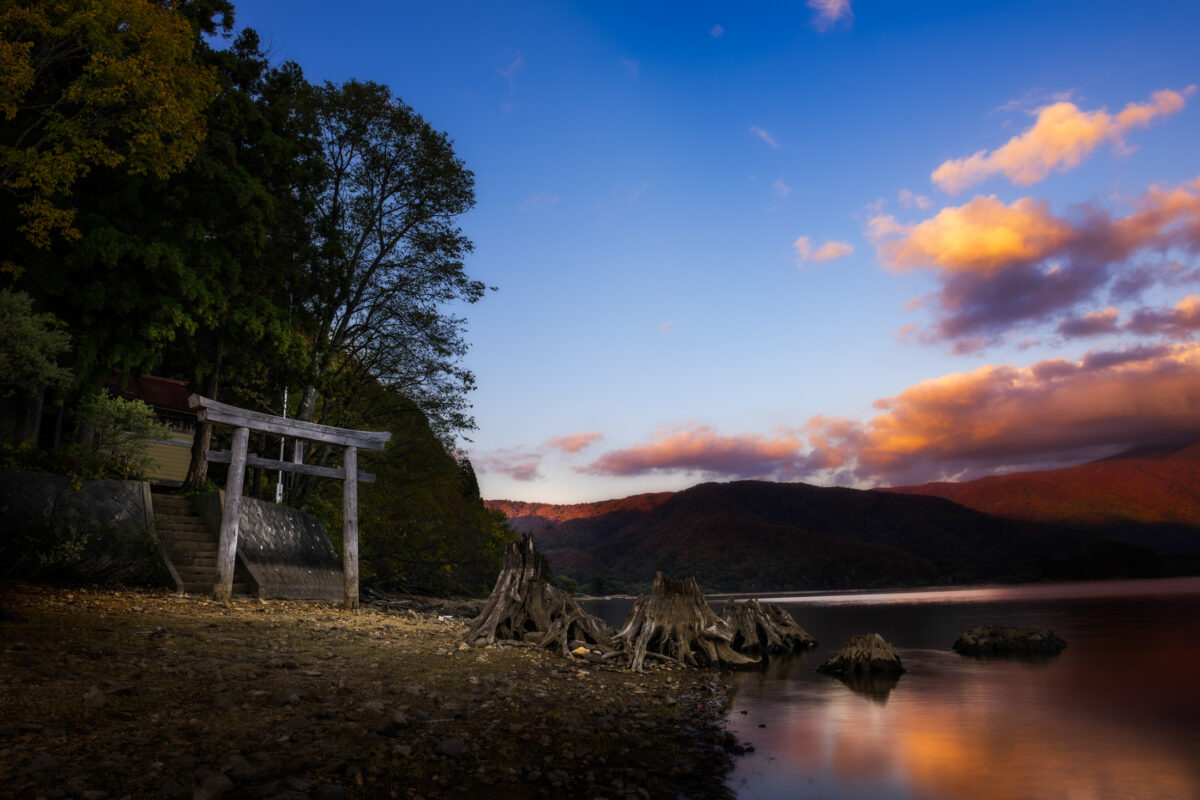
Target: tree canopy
87, 84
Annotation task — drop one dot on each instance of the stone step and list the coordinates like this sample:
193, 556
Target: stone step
197, 561
189, 527
179, 519
184, 547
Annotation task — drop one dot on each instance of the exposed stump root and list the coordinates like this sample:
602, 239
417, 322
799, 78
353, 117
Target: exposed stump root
868, 654
523, 607
999, 640
675, 622
764, 629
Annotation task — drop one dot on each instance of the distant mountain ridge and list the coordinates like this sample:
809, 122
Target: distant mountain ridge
1104, 519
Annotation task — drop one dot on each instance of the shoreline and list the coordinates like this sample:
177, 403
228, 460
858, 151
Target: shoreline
141, 693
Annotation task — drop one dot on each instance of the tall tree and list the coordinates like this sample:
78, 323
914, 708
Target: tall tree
87, 84
388, 253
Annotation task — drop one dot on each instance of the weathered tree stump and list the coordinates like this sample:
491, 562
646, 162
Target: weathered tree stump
1000, 640
523, 607
676, 623
866, 654
763, 629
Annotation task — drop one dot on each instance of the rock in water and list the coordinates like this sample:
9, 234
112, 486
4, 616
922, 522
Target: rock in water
867, 654
995, 640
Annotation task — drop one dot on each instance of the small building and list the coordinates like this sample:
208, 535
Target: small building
169, 400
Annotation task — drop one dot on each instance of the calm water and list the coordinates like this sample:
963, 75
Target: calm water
1116, 715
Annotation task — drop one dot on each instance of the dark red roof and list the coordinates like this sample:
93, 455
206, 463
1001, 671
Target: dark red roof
160, 393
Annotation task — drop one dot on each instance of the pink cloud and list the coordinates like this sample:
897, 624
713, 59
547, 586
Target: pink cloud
1061, 137
1098, 323
1180, 322
701, 450
826, 252
574, 442
520, 465
830, 12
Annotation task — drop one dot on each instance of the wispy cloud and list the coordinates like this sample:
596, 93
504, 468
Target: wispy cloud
535, 201
1061, 137
780, 188
910, 200
630, 67
700, 450
717, 32
509, 72
826, 252
762, 134
829, 12
665, 327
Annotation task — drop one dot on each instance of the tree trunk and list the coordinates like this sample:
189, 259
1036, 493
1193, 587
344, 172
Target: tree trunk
764, 630
197, 473
523, 607
675, 622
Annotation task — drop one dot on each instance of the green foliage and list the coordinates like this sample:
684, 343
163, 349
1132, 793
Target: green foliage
121, 430
422, 526
78, 552
30, 347
87, 84
388, 255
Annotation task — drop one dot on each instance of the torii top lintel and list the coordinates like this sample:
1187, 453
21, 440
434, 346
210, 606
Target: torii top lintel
211, 411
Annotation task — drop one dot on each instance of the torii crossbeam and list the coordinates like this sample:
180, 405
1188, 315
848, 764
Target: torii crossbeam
243, 421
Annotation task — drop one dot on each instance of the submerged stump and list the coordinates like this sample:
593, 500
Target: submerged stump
674, 622
523, 607
1000, 640
764, 629
868, 654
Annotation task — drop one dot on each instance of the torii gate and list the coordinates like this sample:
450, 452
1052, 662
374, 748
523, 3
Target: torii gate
243, 421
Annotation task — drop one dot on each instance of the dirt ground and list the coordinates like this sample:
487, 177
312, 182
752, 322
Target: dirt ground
133, 693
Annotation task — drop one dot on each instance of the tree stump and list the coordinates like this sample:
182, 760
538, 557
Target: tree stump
523, 607
675, 622
764, 629
866, 654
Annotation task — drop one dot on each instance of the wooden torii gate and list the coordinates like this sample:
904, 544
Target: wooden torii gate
243, 421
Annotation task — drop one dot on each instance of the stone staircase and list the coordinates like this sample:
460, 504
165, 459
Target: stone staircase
190, 547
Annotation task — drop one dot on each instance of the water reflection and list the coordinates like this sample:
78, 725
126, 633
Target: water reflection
1113, 716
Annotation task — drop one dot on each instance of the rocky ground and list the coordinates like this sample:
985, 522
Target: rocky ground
115, 694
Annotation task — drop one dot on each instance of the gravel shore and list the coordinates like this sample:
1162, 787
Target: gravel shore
132, 693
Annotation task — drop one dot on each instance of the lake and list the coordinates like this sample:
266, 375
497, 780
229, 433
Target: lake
1116, 715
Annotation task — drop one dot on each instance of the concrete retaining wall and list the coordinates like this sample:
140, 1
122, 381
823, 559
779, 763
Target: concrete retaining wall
28, 499
285, 551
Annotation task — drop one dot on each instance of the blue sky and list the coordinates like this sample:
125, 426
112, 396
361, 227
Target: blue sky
645, 175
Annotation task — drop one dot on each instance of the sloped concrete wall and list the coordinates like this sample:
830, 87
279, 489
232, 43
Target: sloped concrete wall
286, 551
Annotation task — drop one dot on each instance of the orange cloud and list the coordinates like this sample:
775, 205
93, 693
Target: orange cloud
520, 465
1054, 410
963, 424
984, 234
1001, 266
826, 252
1061, 137
574, 442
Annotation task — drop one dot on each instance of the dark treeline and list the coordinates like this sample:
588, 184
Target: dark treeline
175, 204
